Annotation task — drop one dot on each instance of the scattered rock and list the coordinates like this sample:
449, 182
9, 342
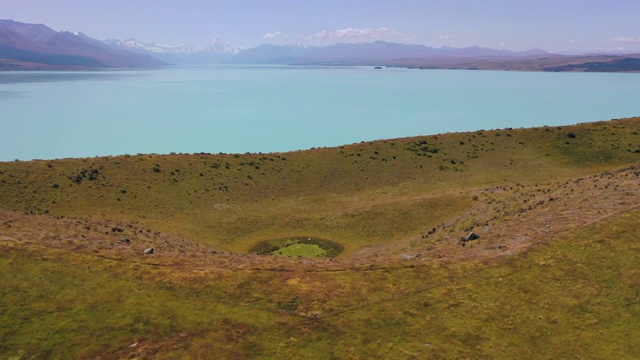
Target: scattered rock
471, 236
148, 251
409, 256
125, 240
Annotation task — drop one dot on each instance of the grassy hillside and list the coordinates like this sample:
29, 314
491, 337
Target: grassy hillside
359, 195
554, 273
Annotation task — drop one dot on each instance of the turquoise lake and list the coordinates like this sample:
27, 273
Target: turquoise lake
238, 109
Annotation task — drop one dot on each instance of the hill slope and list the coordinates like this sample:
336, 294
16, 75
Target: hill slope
233, 201
553, 272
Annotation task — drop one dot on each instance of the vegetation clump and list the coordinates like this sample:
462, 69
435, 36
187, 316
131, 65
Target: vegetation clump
423, 148
85, 174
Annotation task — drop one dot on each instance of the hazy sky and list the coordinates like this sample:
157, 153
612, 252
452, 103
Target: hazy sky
554, 25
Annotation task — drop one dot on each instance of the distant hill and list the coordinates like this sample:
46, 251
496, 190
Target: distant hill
38, 47
609, 64
549, 62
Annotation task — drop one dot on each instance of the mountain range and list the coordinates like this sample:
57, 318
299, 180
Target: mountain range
342, 53
38, 47
384, 52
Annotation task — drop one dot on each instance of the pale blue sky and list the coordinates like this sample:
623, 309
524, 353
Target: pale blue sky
553, 25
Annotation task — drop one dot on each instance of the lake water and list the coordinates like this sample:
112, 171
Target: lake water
237, 109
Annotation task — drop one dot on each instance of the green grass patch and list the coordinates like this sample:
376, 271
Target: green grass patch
304, 250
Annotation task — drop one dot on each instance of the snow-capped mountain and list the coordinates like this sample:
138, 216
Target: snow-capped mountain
134, 45
216, 51
218, 46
